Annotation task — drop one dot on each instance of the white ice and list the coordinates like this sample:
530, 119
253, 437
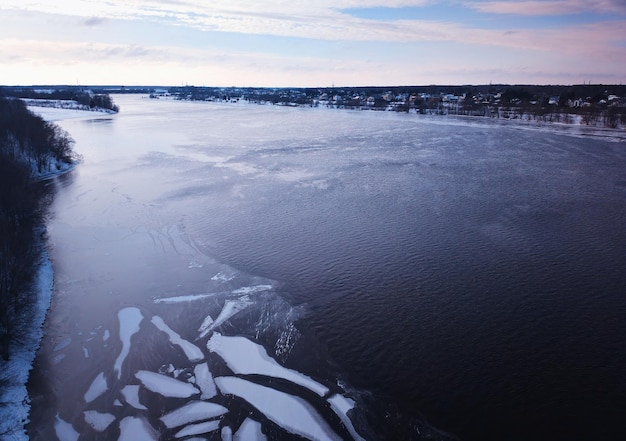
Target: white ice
97, 420
204, 380
231, 307
252, 289
106, 335
198, 429
246, 357
341, 406
166, 386
97, 388
227, 434
65, 431
130, 319
137, 429
194, 411
183, 299
249, 430
131, 395
288, 411
192, 352
205, 327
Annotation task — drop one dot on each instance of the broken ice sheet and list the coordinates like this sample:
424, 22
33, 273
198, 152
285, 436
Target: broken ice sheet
290, 412
341, 406
130, 319
249, 430
198, 429
64, 430
246, 357
194, 411
137, 429
192, 352
97, 388
131, 395
166, 386
97, 420
204, 380
231, 307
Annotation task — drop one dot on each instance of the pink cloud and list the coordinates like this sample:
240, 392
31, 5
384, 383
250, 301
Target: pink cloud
549, 7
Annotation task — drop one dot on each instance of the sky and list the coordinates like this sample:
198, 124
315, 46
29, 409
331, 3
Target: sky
312, 43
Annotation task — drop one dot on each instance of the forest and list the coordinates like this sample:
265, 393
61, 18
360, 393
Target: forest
30, 148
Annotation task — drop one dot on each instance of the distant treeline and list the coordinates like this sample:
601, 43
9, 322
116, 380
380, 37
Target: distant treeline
80, 95
29, 146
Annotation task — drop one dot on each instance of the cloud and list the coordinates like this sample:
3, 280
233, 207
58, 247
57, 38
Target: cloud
549, 7
93, 21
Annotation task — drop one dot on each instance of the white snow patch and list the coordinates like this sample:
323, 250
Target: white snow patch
192, 352
249, 430
98, 421
131, 395
246, 357
341, 405
194, 411
198, 429
98, 387
204, 380
166, 386
130, 319
290, 412
64, 430
227, 434
137, 429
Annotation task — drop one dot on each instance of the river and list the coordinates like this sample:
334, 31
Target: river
280, 266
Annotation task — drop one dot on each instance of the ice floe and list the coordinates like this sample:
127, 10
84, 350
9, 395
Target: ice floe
65, 431
166, 386
192, 352
290, 412
252, 289
130, 319
106, 335
249, 430
231, 308
246, 357
204, 380
183, 299
205, 327
131, 395
137, 429
63, 344
97, 388
192, 412
198, 429
97, 420
227, 433
341, 406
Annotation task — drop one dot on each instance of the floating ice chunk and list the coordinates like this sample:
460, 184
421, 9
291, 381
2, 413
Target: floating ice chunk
131, 395
184, 299
64, 430
117, 403
166, 386
192, 352
288, 411
194, 411
204, 380
64, 343
205, 327
97, 388
137, 429
85, 352
98, 421
130, 319
341, 406
231, 307
227, 433
252, 289
221, 276
245, 357
106, 335
249, 430
198, 429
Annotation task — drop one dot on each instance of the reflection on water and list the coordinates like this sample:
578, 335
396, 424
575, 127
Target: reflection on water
465, 276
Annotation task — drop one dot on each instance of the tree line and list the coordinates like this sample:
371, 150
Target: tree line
81, 96
29, 147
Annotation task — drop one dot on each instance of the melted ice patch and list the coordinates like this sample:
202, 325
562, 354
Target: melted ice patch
136, 429
194, 411
130, 319
288, 411
198, 429
131, 395
245, 357
249, 430
166, 386
192, 352
97, 388
97, 420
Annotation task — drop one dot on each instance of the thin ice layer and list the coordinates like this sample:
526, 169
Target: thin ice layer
166, 386
97, 388
204, 380
194, 411
249, 430
130, 319
288, 411
97, 420
192, 352
231, 308
137, 429
198, 429
246, 357
341, 406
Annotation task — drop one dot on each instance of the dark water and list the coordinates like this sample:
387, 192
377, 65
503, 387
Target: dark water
462, 276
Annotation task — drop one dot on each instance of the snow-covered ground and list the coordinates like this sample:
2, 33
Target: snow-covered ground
64, 105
